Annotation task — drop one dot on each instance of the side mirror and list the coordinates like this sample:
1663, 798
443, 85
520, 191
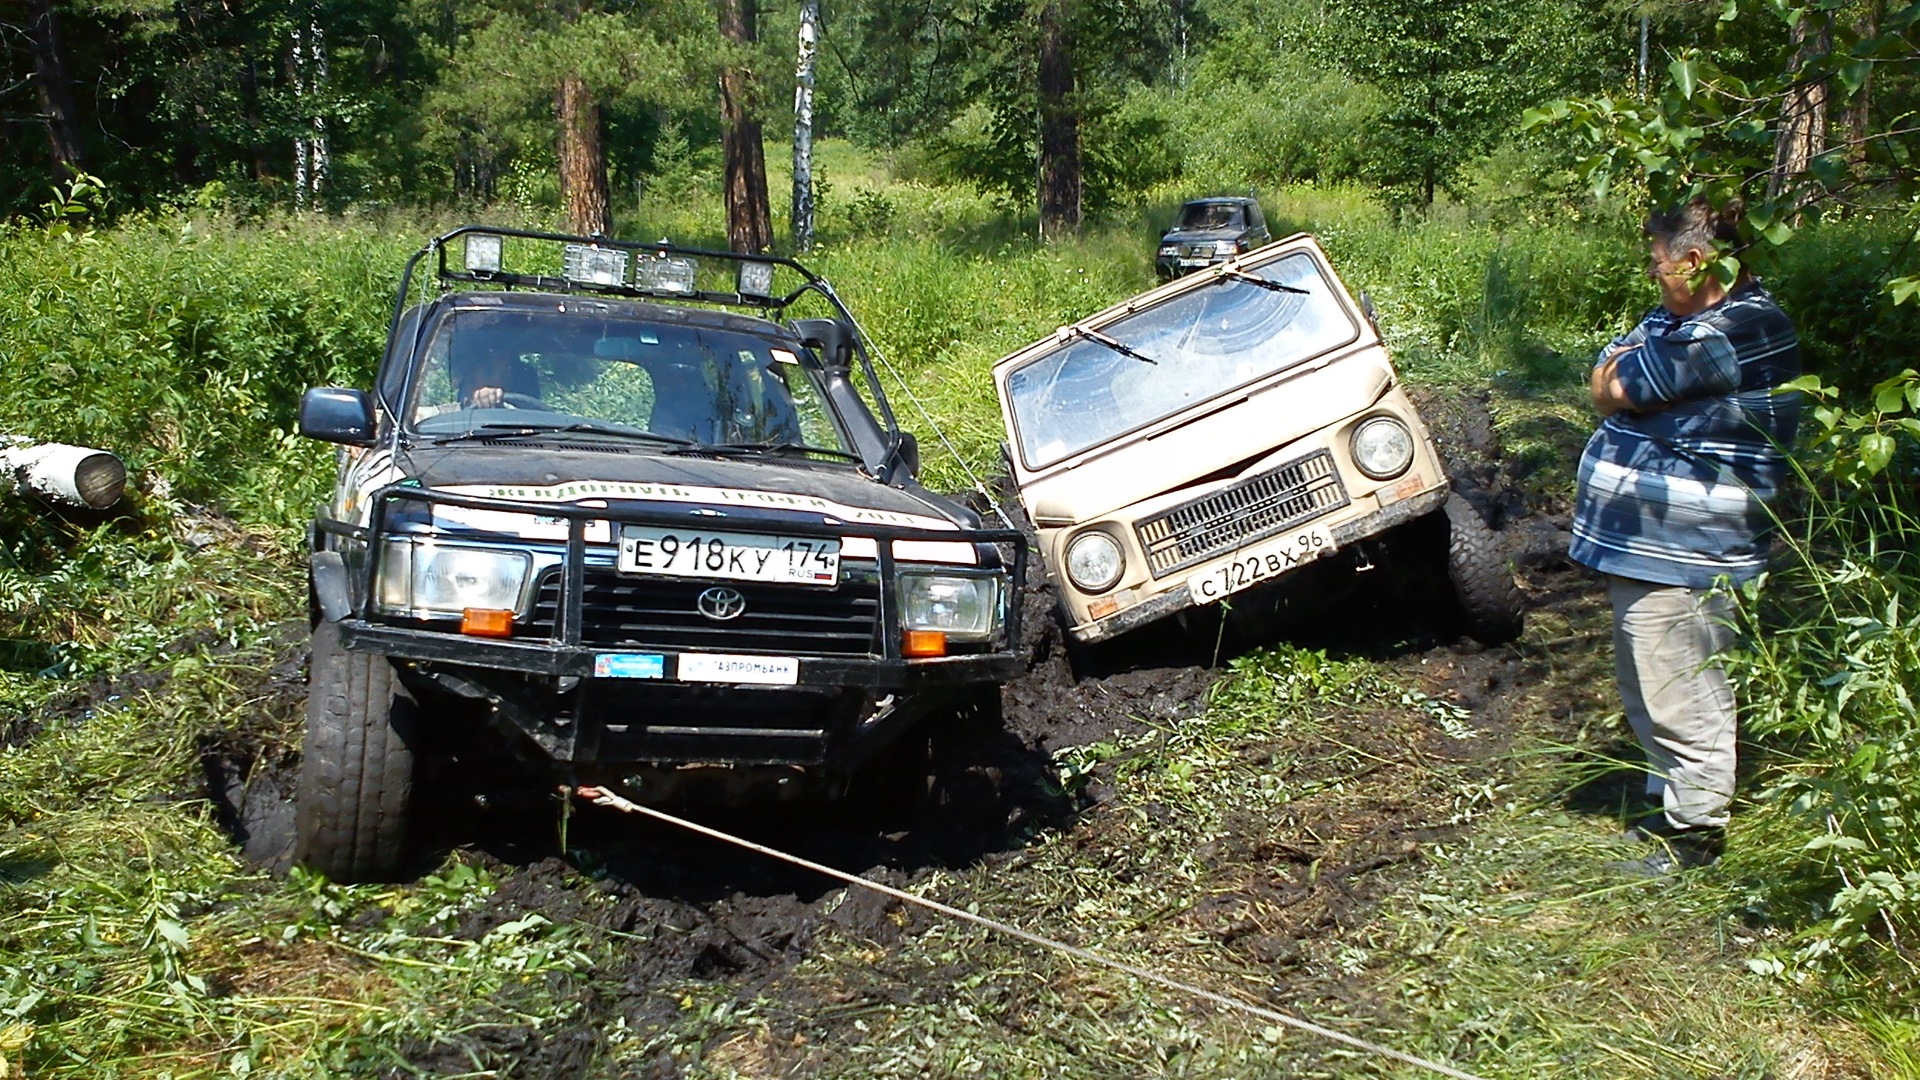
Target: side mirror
1372, 313
831, 338
332, 414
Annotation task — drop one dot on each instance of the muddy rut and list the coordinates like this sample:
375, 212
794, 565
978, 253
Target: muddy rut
696, 909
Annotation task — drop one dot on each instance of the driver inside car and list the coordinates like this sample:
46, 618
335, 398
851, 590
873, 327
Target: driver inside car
491, 379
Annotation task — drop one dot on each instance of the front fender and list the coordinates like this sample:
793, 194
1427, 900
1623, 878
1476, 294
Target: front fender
332, 596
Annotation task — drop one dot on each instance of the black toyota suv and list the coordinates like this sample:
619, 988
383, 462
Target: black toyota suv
1210, 231
639, 516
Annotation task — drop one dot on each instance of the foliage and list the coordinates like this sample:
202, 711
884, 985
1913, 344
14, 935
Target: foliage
1260, 113
1453, 78
1830, 678
213, 331
1115, 44
1721, 124
499, 65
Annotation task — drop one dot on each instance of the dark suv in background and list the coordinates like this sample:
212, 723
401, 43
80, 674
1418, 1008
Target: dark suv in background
1210, 231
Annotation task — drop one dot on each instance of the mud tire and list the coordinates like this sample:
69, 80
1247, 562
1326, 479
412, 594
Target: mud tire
1491, 610
355, 794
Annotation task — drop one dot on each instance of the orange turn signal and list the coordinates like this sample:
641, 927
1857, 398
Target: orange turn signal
486, 622
924, 643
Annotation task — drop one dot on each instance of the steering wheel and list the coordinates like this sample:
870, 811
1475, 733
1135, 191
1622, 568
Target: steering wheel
512, 400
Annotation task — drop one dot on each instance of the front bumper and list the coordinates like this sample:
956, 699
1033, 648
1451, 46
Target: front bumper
588, 694
1176, 598
579, 661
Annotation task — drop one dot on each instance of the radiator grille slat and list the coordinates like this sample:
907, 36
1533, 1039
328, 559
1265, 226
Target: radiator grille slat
1252, 509
625, 610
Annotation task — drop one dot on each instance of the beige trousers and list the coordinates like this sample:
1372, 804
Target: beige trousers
1676, 694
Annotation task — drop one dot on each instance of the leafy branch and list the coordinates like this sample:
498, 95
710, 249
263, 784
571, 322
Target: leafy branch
1712, 133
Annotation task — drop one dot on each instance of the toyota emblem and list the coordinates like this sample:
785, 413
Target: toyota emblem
721, 603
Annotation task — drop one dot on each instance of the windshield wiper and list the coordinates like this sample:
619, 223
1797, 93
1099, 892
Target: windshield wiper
1120, 347
518, 431
762, 448
1255, 279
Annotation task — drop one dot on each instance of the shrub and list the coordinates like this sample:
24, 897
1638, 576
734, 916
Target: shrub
1829, 682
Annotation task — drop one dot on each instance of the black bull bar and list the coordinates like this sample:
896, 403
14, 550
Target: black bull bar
562, 653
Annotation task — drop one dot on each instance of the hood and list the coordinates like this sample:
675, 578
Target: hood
1194, 236
730, 490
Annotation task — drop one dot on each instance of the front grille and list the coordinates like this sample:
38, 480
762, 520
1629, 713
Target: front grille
1249, 510
1199, 251
630, 609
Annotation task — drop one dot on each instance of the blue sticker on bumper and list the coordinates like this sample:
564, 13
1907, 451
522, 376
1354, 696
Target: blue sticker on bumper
629, 666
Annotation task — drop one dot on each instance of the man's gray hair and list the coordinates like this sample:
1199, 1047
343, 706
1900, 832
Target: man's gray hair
1696, 225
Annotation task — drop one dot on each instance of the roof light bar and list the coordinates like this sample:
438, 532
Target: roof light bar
756, 279
665, 274
483, 253
593, 265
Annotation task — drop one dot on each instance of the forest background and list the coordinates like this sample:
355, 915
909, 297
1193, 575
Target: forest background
207, 204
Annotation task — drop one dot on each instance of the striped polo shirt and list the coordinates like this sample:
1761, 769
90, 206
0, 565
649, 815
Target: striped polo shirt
1675, 490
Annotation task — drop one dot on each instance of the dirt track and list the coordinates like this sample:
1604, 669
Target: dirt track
698, 910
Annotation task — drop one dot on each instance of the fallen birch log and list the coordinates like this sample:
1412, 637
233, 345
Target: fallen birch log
75, 475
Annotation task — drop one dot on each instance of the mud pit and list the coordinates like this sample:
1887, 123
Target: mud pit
693, 909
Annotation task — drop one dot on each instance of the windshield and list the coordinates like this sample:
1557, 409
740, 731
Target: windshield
1194, 347
612, 375
1209, 216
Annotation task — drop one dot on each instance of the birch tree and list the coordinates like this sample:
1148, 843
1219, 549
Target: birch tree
311, 153
807, 53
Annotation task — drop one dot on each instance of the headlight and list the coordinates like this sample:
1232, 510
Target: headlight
1094, 561
1382, 447
1169, 249
425, 579
1226, 247
963, 608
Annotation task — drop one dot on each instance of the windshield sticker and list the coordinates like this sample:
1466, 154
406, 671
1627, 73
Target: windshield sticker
677, 493
782, 356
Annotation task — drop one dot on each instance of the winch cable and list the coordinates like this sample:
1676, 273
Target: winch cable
979, 486
602, 797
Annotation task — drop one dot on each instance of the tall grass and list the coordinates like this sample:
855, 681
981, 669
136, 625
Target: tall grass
1829, 679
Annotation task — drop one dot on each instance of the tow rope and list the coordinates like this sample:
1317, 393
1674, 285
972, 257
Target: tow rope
602, 797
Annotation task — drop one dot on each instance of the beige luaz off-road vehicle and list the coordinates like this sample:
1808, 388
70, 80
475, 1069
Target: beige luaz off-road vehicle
1238, 435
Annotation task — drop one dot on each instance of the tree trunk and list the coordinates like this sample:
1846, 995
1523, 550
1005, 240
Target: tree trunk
308, 75
319, 153
58, 110
1803, 116
803, 125
1059, 164
583, 158
1859, 112
297, 76
1640, 84
749, 219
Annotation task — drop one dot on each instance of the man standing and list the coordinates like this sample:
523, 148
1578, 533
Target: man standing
1672, 501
